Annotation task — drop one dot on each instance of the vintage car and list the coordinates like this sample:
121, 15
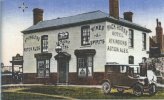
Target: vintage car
124, 77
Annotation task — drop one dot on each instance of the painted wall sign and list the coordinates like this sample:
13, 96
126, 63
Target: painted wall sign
96, 30
118, 38
64, 44
28, 49
117, 27
63, 40
32, 37
118, 42
97, 27
117, 49
63, 35
97, 42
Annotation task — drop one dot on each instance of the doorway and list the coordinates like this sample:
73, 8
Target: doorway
63, 71
63, 67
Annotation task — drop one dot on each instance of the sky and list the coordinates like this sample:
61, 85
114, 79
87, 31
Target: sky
14, 20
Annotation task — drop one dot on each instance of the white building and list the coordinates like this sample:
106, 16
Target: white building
89, 41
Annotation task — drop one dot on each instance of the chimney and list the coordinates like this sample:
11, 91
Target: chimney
37, 15
114, 8
128, 16
159, 35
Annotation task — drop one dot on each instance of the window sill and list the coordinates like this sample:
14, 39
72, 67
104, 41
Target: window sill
83, 46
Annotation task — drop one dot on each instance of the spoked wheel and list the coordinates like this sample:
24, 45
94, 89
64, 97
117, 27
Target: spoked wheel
106, 87
120, 90
152, 89
138, 90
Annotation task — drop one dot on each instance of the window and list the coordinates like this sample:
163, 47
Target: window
44, 43
43, 68
131, 39
144, 41
123, 69
85, 35
85, 66
131, 60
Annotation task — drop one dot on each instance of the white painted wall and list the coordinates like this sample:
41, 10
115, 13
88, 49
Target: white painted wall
102, 55
75, 43
122, 57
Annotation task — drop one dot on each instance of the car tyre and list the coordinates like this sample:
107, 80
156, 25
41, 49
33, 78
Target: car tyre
106, 87
138, 90
152, 89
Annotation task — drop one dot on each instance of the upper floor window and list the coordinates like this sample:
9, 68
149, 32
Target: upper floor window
131, 60
44, 43
131, 39
85, 35
144, 41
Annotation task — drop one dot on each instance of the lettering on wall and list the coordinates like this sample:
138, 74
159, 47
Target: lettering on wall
118, 39
28, 49
117, 27
32, 37
118, 42
32, 48
96, 30
117, 49
97, 42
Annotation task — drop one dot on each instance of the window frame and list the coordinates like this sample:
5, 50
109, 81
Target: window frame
86, 66
85, 35
44, 47
45, 68
144, 41
131, 38
131, 59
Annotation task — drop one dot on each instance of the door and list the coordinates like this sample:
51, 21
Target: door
63, 71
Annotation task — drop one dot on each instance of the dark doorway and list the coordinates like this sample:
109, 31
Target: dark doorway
63, 71
63, 67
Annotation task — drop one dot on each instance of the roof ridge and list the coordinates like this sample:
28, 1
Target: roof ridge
75, 15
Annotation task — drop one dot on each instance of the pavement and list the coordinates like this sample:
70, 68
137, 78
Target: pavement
89, 86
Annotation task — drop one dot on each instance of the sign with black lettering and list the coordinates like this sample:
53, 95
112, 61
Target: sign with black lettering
63, 35
117, 38
32, 37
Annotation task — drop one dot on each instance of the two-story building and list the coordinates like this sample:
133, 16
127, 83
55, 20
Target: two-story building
75, 49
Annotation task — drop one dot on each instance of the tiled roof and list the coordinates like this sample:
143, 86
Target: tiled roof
80, 18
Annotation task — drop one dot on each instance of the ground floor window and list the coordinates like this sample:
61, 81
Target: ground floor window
85, 61
43, 68
85, 66
131, 59
43, 64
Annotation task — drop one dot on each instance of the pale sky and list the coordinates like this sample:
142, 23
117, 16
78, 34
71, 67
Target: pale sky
14, 20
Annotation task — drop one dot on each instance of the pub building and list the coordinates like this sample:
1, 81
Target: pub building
75, 49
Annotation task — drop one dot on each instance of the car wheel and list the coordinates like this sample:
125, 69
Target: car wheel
152, 89
120, 90
106, 87
138, 90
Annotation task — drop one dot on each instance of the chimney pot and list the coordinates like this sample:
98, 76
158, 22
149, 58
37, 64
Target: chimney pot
37, 15
157, 22
114, 8
128, 16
